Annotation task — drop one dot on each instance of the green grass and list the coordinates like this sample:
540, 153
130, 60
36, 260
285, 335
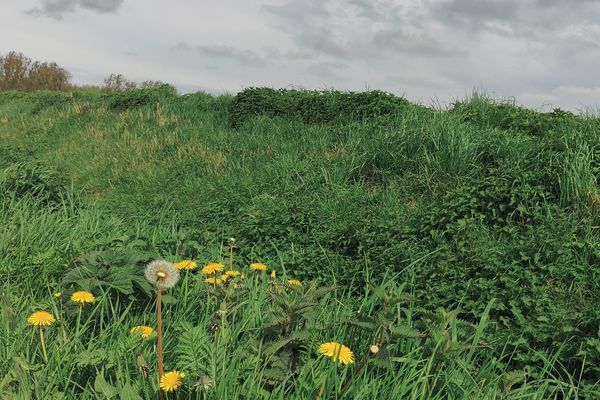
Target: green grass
484, 204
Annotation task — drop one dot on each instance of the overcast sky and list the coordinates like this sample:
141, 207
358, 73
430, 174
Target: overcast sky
543, 53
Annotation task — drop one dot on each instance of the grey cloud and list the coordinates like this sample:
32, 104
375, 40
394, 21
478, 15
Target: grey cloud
324, 41
311, 26
299, 14
367, 9
412, 81
245, 57
330, 70
482, 10
292, 55
102, 6
528, 19
416, 44
57, 8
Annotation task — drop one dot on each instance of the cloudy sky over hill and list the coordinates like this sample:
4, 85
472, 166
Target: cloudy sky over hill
541, 52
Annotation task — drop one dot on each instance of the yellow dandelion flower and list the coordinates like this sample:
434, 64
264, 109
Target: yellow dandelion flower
232, 273
57, 295
171, 381
213, 280
224, 278
142, 330
212, 268
41, 318
337, 351
294, 282
186, 264
258, 267
82, 297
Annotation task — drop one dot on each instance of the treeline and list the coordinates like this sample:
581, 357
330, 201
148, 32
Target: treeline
19, 72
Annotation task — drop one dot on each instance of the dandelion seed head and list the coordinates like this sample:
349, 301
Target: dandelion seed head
164, 271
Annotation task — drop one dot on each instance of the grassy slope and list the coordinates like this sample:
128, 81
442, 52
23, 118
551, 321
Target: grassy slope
465, 212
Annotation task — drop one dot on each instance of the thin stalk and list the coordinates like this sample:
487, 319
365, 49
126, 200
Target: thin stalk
185, 284
321, 390
78, 321
43, 345
231, 241
161, 370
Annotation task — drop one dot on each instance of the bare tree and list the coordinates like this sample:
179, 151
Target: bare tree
117, 83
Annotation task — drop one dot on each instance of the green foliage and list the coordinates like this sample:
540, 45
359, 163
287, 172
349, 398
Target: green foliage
313, 107
118, 271
130, 99
506, 115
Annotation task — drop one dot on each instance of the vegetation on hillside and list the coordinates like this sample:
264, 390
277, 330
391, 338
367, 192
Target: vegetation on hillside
482, 219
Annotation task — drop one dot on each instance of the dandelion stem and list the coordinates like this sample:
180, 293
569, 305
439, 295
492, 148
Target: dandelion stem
161, 370
186, 290
321, 390
78, 321
43, 345
230, 255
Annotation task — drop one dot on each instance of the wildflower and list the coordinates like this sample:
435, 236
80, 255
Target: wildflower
294, 282
224, 278
163, 271
171, 381
232, 273
337, 351
143, 330
213, 280
186, 264
82, 297
57, 295
41, 318
273, 275
212, 268
258, 267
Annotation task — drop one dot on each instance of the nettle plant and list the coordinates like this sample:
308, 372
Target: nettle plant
441, 336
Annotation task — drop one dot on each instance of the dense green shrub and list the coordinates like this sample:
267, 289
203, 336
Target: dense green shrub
122, 101
313, 107
506, 115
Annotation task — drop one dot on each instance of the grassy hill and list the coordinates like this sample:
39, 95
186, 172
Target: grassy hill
485, 207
